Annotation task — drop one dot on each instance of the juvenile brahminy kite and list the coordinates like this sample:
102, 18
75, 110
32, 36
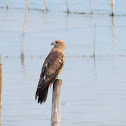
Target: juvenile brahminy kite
52, 66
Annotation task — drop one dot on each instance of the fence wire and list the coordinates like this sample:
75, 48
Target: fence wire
75, 6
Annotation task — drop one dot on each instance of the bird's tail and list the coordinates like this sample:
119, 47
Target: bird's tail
41, 94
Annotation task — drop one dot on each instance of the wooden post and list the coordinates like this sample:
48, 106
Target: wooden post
56, 103
7, 4
113, 7
46, 5
0, 83
91, 7
23, 45
23, 40
27, 4
94, 40
67, 6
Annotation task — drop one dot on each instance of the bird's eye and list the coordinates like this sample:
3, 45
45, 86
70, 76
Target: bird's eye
56, 42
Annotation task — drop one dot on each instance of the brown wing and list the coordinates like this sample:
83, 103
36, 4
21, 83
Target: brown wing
50, 70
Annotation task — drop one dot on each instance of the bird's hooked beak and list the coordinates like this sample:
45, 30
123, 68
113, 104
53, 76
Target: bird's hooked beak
53, 43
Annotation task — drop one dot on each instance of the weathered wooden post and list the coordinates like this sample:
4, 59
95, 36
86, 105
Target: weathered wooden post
56, 103
91, 7
23, 40
7, 4
27, 4
0, 83
113, 7
46, 5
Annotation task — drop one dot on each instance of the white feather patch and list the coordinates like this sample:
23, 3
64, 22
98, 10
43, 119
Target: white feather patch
59, 60
44, 77
46, 64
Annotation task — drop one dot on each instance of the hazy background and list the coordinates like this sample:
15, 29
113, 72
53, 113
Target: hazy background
93, 89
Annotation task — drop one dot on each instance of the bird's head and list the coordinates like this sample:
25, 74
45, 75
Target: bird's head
59, 44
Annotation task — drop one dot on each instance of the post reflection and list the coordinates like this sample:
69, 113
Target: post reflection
113, 29
0, 84
0, 116
0, 90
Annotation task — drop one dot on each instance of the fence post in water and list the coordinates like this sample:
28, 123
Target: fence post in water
7, 4
56, 103
46, 5
0, 83
91, 7
23, 40
67, 6
113, 7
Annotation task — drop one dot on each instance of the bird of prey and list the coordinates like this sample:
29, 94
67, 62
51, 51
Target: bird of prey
51, 68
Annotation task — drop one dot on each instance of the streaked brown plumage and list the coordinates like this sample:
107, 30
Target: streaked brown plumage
52, 66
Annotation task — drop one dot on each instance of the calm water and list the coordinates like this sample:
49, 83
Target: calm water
93, 91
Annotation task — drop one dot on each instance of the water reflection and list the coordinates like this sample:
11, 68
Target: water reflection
113, 29
90, 19
95, 47
66, 20
0, 116
0, 89
95, 63
114, 36
0, 84
113, 20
